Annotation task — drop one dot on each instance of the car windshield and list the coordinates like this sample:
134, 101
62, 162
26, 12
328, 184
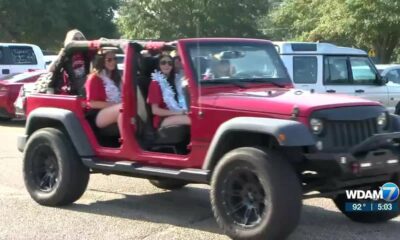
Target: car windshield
237, 62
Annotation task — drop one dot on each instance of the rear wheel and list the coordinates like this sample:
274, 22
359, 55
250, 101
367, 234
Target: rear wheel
53, 172
168, 184
255, 194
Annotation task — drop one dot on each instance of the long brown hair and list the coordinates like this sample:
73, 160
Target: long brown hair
99, 65
171, 77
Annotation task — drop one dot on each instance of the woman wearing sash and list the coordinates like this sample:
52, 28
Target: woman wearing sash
166, 97
103, 90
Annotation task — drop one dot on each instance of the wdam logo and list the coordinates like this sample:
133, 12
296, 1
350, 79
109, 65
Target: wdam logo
388, 192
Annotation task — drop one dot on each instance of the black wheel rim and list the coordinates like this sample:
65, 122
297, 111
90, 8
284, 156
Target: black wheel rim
245, 200
45, 169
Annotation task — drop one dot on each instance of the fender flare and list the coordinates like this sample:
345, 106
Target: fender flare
70, 122
296, 133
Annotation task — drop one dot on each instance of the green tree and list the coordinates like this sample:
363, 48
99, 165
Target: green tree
95, 18
46, 22
396, 55
368, 24
168, 19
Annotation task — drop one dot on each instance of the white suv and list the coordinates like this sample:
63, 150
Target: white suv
324, 67
17, 58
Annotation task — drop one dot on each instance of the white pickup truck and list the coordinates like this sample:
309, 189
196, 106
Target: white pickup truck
20, 57
327, 68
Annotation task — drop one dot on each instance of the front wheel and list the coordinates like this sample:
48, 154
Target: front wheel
53, 172
255, 194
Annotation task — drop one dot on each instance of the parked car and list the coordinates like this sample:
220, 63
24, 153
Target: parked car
10, 88
49, 59
327, 68
261, 145
391, 72
18, 58
20, 102
120, 61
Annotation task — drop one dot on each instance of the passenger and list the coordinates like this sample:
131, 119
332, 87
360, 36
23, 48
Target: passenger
76, 67
166, 97
103, 90
72, 35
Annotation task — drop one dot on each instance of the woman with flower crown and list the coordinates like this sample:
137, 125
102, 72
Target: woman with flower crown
166, 97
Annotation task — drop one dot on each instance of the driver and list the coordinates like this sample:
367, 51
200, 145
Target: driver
221, 69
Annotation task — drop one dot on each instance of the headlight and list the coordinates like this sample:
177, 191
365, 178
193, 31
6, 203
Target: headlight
316, 125
382, 120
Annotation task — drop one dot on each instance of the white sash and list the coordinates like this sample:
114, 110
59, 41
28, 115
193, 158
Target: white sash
113, 93
168, 94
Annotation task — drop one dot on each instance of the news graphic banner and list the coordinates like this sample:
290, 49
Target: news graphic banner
368, 200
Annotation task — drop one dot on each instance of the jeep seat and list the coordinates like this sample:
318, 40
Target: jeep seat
150, 137
110, 131
172, 134
107, 136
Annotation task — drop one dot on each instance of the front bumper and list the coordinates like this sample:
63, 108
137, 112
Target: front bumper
376, 157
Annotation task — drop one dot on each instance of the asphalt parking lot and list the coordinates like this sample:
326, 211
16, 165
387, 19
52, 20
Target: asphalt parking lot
116, 207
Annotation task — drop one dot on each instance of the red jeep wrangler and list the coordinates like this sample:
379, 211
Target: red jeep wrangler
261, 145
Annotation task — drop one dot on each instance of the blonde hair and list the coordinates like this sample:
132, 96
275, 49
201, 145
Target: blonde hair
71, 35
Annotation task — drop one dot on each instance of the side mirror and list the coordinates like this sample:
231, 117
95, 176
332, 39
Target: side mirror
380, 80
385, 79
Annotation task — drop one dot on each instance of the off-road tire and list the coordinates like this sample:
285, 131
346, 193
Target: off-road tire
168, 184
365, 217
274, 176
66, 177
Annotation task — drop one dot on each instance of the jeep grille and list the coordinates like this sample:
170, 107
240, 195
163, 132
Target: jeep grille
345, 134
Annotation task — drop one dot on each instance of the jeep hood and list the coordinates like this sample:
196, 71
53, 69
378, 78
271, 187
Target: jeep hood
282, 101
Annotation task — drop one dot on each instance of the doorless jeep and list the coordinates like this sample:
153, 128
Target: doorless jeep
261, 145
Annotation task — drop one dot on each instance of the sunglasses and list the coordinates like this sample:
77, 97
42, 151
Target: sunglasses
165, 62
111, 59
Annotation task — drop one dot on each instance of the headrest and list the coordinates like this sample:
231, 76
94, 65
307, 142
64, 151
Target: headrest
148, 65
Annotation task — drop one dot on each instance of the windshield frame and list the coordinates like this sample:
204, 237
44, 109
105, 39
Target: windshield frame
263, 44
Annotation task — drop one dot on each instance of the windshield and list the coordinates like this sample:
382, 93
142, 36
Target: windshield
226, 62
